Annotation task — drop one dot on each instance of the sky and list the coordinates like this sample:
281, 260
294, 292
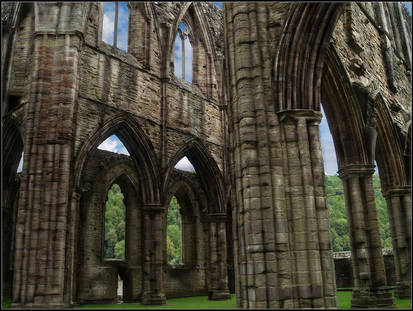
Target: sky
185, 165
109, 24
178, 56
218, 4
408, 5
113, 144
327, 146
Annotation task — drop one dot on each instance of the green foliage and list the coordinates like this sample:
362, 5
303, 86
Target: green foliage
338, 216
174, 232
115, 221
115, 224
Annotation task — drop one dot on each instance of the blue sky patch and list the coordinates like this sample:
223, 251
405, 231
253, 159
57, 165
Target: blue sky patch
113, 144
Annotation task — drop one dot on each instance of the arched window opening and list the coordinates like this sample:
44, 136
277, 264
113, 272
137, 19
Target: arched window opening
335, 196
20, 167
174, 233
113, 144
115, 24
114, 247
183, 54
120, 289
185, 165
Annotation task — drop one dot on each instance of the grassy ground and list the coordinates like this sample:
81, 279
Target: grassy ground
202, 302
199, 302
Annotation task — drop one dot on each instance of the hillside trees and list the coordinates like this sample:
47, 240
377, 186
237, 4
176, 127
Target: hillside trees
115, 221
338, 216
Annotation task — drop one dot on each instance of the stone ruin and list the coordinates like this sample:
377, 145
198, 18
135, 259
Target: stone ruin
255, 217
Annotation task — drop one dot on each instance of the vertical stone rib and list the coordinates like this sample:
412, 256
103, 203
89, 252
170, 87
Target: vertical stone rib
386, 45
322, 216
146, 252
313, 243
404, 36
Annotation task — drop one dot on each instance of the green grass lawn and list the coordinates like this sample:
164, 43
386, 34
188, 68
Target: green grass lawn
198, 302
344, 301
202, 302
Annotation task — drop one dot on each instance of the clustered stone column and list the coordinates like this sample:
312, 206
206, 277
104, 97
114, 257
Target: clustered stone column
369, 275
400, 217
153, 292
41, 263
307, 211
283, 256
218, 285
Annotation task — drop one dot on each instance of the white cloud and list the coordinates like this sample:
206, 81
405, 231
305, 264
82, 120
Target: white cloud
108, 24
185, 165
178, 57
113, 144
123, 24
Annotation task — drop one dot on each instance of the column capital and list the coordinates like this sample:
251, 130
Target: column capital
356, 170
297, 114
397, 191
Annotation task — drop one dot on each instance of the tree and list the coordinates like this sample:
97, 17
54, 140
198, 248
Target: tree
114, 224
338, 217
174, 232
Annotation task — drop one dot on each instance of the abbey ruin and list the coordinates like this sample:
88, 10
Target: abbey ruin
254, 216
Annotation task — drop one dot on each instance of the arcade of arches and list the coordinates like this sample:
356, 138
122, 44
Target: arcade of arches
254, 214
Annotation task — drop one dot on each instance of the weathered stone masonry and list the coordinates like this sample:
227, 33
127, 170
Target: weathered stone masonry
248, 122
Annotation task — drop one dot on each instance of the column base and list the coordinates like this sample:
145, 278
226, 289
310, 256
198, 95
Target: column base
219, 295
403, 290
150, 298
372, 298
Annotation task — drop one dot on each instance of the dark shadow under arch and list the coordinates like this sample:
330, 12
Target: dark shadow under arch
139, 146
12, 151
207, 171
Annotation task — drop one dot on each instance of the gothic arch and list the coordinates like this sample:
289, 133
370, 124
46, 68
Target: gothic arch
119, 169
208, 173
183, 190
301, 52
342, 112
203, 49
13, 147
389, 150
139, 146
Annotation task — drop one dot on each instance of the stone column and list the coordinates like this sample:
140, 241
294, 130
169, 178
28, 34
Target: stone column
41, 259
312, 272
400, 216
218, 286
369, 275
153, 291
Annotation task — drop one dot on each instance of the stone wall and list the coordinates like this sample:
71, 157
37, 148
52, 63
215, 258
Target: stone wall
249, 124
344, 270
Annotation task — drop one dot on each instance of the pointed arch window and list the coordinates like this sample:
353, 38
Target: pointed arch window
174, 233
183, 54
115, 24
114, 246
